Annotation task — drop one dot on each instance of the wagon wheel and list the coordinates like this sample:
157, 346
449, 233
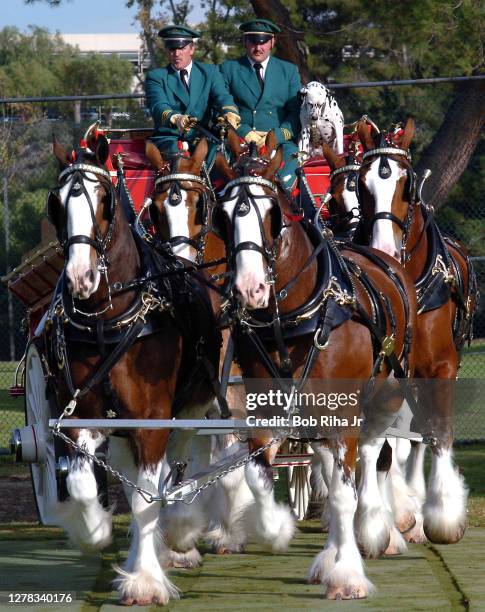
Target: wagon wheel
298, 479
37, 415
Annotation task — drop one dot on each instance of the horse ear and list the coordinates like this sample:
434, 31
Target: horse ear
152, 153
102, 149
270, 142
273, 165
234, 143
200, 153
222, 166
365, 135
334, 161
59, 151
408, 134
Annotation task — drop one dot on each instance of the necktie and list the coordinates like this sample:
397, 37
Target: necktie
183, 77
258, 68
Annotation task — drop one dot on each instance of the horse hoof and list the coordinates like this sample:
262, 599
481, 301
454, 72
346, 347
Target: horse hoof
406, 522
339, 593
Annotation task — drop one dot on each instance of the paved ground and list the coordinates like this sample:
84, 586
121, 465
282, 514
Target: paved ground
425, 578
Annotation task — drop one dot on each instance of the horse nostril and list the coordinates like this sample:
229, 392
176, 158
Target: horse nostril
89, 276
259, 289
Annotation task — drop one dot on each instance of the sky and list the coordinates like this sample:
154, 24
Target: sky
74, 16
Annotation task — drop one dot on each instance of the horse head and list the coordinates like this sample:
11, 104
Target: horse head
82, 209
344, 205
249, 217
386, 186
180, 202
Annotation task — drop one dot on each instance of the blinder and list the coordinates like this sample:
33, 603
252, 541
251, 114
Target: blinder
54, 210
219, 222
276, 221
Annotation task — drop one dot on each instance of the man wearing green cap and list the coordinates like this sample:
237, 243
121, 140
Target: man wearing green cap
185, 89
265, 89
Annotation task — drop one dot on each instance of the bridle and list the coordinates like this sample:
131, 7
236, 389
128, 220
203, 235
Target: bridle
100, 242
245, 201
383, 152
174, 198
351, 172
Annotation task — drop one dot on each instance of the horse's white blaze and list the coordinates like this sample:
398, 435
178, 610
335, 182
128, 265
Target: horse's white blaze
86, 521
383, 237
178, 223
81, 269
445, 507
251, 279
351, 202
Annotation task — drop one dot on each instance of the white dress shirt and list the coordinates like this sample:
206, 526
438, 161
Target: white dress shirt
263, 64
188, 68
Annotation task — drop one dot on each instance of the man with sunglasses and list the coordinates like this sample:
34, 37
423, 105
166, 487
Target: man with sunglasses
265, 89
183, 90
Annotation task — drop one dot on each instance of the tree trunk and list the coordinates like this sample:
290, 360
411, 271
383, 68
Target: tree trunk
449, 153
290, 44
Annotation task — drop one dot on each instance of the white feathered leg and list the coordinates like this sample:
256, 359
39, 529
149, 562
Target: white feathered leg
373, 521
445, 508
321, 477
417, 484
405, 505
339, 566
228, 503
273, 523
397, 544
184, 524
86, 521
146, 583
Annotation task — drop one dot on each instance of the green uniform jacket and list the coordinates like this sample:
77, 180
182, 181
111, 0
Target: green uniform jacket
166, 96
276, 107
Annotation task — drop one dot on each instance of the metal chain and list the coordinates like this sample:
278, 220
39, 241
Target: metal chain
146, 495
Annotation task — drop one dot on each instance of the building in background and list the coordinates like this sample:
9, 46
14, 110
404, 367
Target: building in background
127, 46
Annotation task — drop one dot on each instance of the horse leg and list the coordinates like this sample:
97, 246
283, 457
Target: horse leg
397, 544
86, 521
415, 470
226, 508
404, 504
145, 582
321, 477
339, 566
185, 524
270, 521
444, 511
373, 520
415, 480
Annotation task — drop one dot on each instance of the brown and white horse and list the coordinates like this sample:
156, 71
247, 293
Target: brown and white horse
123, 350
396, 221
404, 499
181, 211
276, 274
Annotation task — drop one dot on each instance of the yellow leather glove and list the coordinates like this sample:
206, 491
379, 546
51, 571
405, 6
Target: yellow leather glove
254, 136
233, 119
262, 140
182, 122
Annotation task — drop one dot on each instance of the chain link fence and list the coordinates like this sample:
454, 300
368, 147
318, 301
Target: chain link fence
28, 170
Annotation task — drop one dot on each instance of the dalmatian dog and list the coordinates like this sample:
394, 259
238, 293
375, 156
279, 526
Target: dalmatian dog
321, 120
